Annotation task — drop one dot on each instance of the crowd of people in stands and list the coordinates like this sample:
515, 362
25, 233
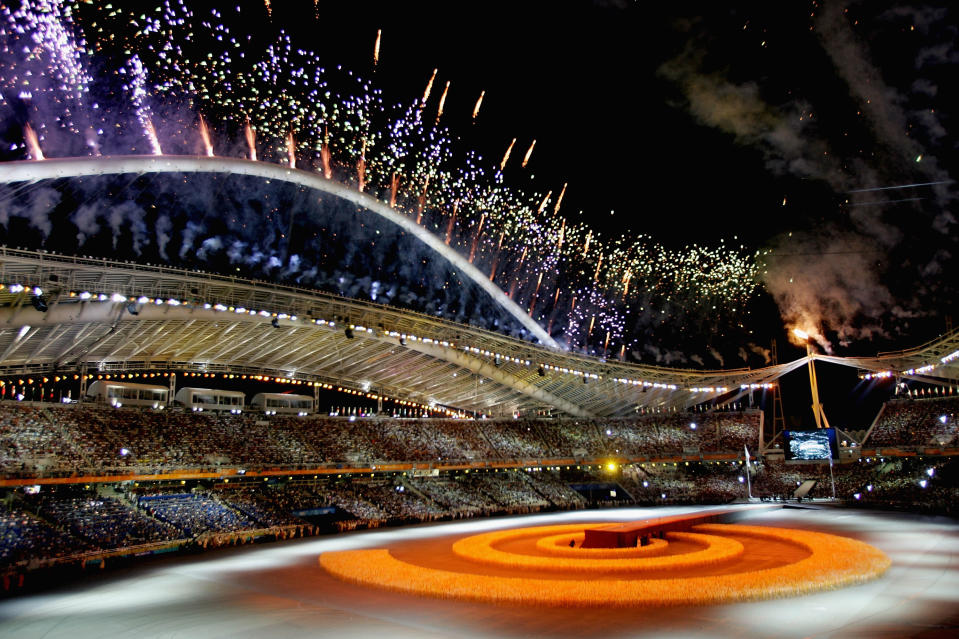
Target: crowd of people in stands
92, 440
916, 422
73, 521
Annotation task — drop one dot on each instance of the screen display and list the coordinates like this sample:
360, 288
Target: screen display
808, 445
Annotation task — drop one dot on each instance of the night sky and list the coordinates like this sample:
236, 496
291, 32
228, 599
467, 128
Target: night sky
772, 126
695, 121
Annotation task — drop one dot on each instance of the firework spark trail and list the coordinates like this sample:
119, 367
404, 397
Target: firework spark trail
205, 135
376, 47
439, 110
559, 201
33, 144
291, 150
529, 152
479, 103
250, 139
509, 149
429, 88
325, 160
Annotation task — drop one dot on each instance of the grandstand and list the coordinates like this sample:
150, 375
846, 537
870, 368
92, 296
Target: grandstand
111, 452
98, 465
517, 427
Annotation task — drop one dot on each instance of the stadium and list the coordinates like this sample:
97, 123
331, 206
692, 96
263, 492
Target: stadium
276, 391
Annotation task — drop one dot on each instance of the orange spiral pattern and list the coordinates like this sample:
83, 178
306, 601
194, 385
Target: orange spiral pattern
828, 562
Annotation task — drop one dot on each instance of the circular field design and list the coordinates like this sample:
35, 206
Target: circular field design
710, 564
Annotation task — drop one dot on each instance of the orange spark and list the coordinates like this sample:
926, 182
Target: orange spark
33, 144
251, 139
479, 101
529, 152
361, 167
325, 159
439, 111
291, 149
532, 303
449, 227
560, 200
542, 205
429, 87
394, 187
502, 165
205, 135
152, 135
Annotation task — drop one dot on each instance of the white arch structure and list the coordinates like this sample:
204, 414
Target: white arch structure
51, 169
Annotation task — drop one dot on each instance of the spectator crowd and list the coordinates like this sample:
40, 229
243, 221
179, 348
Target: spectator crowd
61, 522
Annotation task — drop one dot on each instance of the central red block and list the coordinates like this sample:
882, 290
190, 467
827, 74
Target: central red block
637, 533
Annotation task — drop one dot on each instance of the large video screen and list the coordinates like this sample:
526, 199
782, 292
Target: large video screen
810, 445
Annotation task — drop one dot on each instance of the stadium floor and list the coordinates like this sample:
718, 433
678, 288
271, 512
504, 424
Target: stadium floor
279, 591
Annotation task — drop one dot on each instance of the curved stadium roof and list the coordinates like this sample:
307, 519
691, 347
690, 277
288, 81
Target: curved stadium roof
184, 320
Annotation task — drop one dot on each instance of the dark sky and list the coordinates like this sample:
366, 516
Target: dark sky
757, 123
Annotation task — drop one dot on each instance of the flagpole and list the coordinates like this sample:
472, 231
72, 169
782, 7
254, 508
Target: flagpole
831, 476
